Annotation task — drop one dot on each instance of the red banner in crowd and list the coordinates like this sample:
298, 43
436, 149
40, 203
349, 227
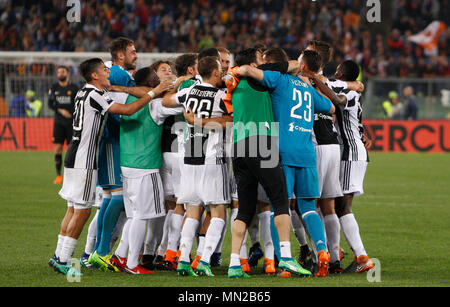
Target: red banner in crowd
409, 136
26, 134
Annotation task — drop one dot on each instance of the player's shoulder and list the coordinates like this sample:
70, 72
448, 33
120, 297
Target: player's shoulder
118, 73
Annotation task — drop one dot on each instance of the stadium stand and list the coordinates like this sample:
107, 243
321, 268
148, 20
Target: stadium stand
186, 26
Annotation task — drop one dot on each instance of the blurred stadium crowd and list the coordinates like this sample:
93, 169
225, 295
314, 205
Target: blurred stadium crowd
184, 26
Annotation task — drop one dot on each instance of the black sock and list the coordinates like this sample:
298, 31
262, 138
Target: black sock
58, 163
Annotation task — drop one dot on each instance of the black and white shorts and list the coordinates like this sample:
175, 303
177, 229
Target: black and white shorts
352, 177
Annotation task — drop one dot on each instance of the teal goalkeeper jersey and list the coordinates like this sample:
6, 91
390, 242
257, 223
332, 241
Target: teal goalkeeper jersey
294, 104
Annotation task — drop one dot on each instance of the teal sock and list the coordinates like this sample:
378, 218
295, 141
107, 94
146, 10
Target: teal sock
275, 238
101, 214
110, 218
313, 222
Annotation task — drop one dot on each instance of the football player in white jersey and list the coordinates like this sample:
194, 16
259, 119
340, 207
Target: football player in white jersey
80, 172
204, 176
354, 160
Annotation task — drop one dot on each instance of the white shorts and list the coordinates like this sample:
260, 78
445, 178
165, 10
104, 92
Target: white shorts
207, 184
262, 196
328, 161
143, 194
98, 197
79, 187
233, 188
170, 174
352, 177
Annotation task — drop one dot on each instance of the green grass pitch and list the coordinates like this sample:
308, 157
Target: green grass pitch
404, 220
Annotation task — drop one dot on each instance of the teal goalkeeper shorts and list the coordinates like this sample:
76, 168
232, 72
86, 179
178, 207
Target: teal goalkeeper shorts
109, 173
301, 181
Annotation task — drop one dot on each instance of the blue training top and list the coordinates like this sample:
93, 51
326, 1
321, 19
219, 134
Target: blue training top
294, 104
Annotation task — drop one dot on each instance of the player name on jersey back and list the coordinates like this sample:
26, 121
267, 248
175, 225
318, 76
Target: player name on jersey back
91, 105
203, 145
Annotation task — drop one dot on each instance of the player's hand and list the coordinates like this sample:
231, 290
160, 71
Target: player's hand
163, 87
366, 141
308, 74
189, 115
65, 113
178, 81
360, 86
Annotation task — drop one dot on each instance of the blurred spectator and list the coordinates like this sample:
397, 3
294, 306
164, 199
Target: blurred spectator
34, 105
187, 26
393, 107
18, 106
411, 107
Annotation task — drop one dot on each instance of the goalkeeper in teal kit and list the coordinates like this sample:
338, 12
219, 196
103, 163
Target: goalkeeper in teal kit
124, 57
294, 102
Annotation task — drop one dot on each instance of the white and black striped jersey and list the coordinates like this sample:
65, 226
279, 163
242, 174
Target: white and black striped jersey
350, 129
91, 104
202, 145
324, 131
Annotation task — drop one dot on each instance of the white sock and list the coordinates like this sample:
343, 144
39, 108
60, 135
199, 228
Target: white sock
122, 249
165, 237
187, 238
118, 229
350, 229
333, 231
91, 235
136, 235
155, 228
174, 232
264, 222
222, 236
59, 245
285, 249
243, 252
297, 227
253, 230
201, 245
212, 238
234, 260
68, 249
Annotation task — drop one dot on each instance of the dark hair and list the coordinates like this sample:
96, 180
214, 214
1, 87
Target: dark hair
350, 70
260, 47
142, 76
208, 52
275, 55
207, 65
153, 77
324, 49
312, 60
246, 57
183, 62
155, 66
63, 67
119, 44
88, 67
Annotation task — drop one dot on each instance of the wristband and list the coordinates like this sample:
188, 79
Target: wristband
151, 94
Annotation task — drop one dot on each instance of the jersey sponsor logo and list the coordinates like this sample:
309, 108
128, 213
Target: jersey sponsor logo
293, 127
